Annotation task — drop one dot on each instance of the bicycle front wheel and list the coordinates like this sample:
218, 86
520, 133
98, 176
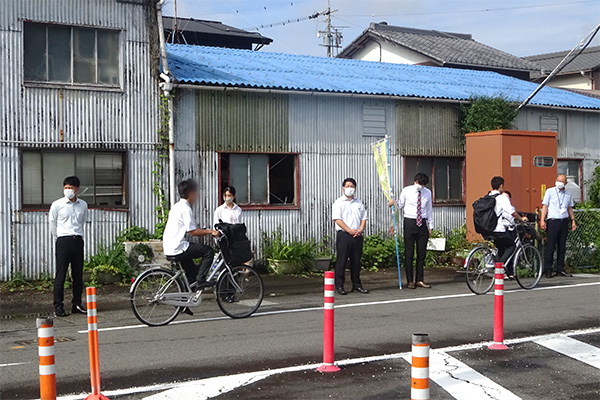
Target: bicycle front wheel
147, 293
528, 267
480, 270
240, 293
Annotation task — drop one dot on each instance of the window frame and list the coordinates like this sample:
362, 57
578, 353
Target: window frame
265, 206
439, 203
71, 84
580, 161
46, 207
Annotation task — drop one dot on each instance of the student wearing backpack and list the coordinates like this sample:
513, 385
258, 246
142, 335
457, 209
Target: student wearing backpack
503, 234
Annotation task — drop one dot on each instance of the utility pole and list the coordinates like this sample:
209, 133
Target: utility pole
332, 37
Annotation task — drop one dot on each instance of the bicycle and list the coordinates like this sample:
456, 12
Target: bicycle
159, 294
480, 263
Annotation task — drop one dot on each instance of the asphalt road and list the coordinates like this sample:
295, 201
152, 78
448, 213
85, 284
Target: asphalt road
288, 331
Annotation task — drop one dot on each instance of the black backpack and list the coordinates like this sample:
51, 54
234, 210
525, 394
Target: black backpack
484, 216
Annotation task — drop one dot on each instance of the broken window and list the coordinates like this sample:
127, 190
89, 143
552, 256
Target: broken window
261, 179
71, 55
445, 176
101, 174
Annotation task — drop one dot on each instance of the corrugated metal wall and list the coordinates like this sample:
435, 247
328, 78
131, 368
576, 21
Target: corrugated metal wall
429, 129
33, 117
242, 121
327, 132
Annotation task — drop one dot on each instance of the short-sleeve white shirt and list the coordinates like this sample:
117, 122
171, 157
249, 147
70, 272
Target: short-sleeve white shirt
558, 202
229, 215
504, 210
180, 222
352, 212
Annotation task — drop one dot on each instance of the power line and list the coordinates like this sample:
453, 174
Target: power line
576, 51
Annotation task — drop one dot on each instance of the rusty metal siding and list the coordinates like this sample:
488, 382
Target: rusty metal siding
242, 121
326, 131
428, 128
33, 115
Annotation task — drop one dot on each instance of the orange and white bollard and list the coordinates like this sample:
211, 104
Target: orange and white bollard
419, 372
45, 328
328, 325
92, 317
499, 309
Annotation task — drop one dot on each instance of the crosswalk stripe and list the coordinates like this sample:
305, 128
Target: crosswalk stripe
573, 348
461, 381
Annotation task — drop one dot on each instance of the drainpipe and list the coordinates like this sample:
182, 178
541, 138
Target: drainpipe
166, 86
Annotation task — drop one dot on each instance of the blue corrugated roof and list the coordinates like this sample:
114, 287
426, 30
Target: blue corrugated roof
247, 68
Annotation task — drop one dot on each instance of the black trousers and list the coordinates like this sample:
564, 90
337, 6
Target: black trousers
69, 251
415, 236
348, 248
505, 242
196, 250
557, 231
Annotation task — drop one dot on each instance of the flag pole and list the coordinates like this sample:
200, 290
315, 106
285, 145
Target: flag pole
393, 212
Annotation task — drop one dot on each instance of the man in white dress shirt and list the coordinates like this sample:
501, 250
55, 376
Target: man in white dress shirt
181, 222
558, 208
67, 217
416, 202
350, 217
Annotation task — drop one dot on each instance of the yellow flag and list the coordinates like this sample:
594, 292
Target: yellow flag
380, 150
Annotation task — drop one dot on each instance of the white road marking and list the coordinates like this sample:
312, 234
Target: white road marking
461, 381
573, 348
351, 361
349, 305
14, 364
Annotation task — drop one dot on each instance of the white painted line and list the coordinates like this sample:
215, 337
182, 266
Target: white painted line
573, 348
349, 305
352, 361
14, 364
463, 382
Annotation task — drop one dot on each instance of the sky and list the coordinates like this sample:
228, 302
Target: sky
519, 27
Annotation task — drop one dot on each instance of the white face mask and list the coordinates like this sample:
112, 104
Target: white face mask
419, 187
349, 191
69, 193
559, 185
228, 200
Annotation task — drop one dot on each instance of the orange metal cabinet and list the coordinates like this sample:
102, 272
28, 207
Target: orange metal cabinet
525, 159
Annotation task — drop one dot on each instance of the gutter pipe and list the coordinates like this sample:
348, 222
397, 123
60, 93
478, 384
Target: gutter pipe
167, 86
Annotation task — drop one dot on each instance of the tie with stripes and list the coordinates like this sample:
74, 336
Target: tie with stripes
419, 215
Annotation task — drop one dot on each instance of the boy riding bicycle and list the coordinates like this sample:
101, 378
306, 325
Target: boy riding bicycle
503, 235
180, 222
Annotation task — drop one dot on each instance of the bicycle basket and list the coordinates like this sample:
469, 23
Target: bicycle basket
527, 233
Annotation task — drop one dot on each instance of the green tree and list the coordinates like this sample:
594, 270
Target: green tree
594, 190
486, 113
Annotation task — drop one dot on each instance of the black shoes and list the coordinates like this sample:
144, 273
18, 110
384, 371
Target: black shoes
564, 273
341, 291
360, 289
549, 274
187, 311
199, 285
78, 309
411, 285
60, 312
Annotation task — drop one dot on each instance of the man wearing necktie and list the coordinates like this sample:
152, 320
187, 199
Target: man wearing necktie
416, 201
558, 207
